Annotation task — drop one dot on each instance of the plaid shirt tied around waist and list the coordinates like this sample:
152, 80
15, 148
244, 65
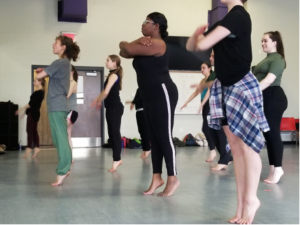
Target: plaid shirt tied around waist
244, 110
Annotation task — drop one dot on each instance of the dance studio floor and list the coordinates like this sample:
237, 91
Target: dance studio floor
93, 195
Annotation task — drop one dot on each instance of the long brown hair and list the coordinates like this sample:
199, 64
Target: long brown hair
43, 83
75, 74
119, 70
72, 49
276, 36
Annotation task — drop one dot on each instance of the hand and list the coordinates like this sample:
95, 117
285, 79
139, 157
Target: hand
185, 105
145, 41
131, 106
96, 103
17, 112
200, 109
38, 70
200, 30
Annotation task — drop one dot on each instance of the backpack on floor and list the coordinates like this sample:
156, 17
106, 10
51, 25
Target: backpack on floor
190, 140
135, 143
178, 143
202, 139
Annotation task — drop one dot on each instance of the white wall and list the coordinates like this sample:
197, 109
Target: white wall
28, 29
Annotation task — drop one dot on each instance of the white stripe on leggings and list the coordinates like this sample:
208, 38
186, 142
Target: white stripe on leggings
169, 127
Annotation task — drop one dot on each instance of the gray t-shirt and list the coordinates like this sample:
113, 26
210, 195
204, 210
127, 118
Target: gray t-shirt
59, 83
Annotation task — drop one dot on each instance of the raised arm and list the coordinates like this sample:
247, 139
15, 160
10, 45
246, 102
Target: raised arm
142, 47
199, 42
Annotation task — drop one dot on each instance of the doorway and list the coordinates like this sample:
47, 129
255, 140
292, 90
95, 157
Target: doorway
88, 131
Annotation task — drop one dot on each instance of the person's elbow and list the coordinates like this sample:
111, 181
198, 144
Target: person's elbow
202, 46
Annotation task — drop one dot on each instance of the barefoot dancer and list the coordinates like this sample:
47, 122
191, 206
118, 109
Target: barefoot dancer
113, 105
57, 103
269, 74
141, 122
33, 116
72, 97
236, 101
215, 138
160, 96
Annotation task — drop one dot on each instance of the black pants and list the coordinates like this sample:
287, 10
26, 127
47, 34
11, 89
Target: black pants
275, 103
33, 139
159, 107
217, 137
143, 129
205, 127
113, 118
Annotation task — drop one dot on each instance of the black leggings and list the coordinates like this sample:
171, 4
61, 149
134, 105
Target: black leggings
143, 129
33, 139
205, 127
113, 118
159, 107
217, 137
275, 103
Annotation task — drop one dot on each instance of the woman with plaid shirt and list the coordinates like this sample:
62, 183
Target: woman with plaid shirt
236, 101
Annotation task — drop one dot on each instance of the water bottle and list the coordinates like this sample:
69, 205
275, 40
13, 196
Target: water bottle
20, 146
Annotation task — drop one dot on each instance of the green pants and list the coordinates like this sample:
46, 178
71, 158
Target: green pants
58, 125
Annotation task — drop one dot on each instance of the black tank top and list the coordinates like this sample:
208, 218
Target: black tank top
113, 99
151, 71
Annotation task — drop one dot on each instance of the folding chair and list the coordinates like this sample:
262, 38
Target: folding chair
288, 125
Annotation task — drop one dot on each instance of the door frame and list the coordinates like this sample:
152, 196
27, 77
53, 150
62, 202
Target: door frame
81, 68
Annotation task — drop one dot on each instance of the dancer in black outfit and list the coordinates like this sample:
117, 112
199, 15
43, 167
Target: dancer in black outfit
160, 96
141, 122
32, 110
113, 105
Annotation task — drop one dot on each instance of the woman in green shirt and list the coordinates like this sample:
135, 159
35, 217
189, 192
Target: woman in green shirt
269, 73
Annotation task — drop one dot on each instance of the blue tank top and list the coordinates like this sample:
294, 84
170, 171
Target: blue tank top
203, 93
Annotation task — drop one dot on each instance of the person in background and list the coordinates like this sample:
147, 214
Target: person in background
72, 97
269, 74
141, 123
32, 110
113, 105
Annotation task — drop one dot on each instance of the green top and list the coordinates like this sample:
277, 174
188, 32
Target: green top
211, 77
273, 63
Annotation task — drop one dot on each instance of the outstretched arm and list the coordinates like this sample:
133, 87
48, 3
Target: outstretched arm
103, 95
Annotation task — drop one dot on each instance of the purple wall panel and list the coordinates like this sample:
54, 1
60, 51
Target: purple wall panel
74, 7
216, 3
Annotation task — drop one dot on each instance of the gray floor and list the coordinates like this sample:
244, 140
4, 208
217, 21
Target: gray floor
93, 195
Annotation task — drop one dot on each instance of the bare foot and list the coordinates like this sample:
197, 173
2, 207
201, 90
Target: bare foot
36, 151
270, 176
145, 154
212, 155
250, 208
157, 181
238, 215
172, 185
27, 152
219, 167
115, 165
278, 172
59, 180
